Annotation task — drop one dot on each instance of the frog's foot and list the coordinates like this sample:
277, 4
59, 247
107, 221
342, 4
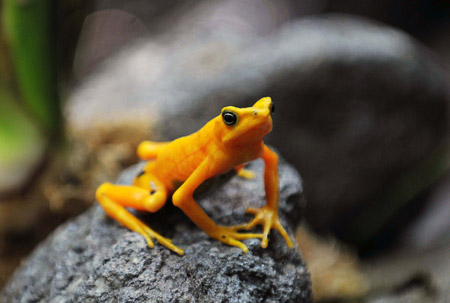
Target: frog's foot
151, 234
268, 218
230, 236
246, 173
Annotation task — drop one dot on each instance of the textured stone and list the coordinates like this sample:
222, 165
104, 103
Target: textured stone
94, 259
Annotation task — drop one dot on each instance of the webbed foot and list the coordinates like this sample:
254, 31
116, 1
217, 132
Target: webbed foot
230, 236
268, 218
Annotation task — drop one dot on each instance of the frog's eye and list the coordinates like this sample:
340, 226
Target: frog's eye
229, 117
272, 108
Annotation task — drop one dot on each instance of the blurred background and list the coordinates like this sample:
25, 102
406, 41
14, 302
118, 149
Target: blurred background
362, 95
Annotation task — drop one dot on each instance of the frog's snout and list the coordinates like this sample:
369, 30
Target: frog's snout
264, 104
260, 113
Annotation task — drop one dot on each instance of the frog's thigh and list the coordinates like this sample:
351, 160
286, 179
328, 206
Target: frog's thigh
113, 204
132, 196
114, 198
153, 187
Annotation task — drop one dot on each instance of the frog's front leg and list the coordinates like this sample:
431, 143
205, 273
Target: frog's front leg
183, 198
268, 215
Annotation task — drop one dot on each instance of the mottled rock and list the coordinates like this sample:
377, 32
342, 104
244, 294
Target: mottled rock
94, 259
358, 104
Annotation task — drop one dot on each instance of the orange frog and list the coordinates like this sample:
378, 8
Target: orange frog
225, 143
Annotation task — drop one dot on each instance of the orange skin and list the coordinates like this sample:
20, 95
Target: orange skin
215, 149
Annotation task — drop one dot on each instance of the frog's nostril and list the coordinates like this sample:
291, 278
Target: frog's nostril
255, 113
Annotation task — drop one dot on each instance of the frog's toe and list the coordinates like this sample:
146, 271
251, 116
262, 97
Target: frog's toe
249, 225
161, 240
168, 243
239, 244
149, 241
283, 233
258, 219
233, 241
253, 210
242, 236
246, 174
230, 235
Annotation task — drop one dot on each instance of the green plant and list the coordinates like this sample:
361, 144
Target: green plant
30, 113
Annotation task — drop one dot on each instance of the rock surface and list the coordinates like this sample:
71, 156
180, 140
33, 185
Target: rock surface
94, 259
431, 229
411, 276
358, 104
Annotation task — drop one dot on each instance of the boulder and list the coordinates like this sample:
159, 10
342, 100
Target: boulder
94, 259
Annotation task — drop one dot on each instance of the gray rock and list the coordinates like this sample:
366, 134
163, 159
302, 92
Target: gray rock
359, 104
411, 276
432, 228
94, 259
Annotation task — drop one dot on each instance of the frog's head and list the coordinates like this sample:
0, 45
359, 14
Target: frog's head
245, 125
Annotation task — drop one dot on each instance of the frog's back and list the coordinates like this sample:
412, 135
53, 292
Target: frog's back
178, 159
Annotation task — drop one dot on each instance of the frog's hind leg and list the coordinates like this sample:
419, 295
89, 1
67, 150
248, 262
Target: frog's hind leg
148, 150
114, 198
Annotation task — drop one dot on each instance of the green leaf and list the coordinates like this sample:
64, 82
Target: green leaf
28, 29
22, 145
